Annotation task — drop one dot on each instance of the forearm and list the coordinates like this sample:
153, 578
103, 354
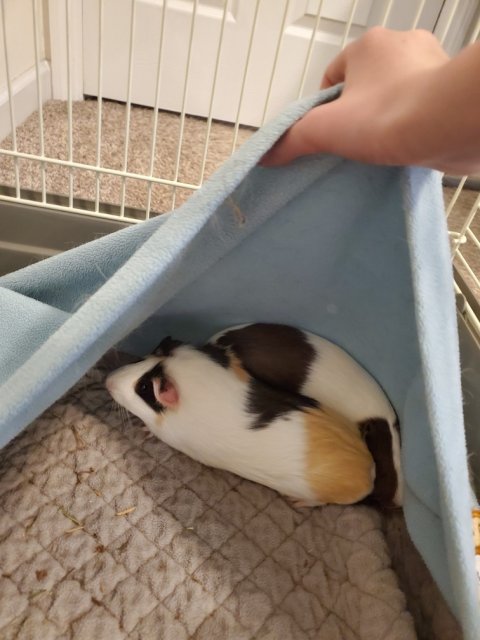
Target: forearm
439, 116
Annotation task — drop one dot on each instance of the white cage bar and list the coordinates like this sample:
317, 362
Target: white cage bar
214, 86
39, 98
129, 105
10, 99
454, 6
420, 9
348, 24
184, 101
310, 50
321, 31
155, 112
99, 106
244, 76
69, 104
275, 60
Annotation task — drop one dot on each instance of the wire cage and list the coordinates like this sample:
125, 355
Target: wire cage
115, 111
119, 109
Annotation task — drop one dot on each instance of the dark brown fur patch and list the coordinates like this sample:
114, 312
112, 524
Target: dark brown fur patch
277, 354
166, 347
268, 403
378, 439
217, 354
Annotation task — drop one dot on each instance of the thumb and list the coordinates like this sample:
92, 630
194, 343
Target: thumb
316, 132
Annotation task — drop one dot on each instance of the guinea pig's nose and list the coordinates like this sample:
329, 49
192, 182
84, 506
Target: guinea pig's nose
109, 383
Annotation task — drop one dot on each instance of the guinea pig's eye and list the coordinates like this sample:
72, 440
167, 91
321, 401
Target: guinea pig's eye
143, 386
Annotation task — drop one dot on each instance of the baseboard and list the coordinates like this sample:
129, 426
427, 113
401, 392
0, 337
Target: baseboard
25, 98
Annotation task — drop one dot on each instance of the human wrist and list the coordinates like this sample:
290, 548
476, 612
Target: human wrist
412, 127
435, 122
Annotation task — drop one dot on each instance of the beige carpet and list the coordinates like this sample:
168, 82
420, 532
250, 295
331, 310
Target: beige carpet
106, 534
469, 250
112, 152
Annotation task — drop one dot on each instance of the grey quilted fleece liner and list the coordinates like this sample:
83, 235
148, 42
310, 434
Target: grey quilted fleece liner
203, 554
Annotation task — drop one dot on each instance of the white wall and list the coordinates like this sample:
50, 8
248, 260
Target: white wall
19, 27
21, 58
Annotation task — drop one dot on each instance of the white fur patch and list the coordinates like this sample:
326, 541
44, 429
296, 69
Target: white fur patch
211, 423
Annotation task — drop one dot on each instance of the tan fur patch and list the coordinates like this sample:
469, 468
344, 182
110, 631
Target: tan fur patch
237, 368
340, 469
159, 418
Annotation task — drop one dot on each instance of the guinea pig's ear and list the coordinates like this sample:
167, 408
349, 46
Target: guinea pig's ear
166, 347
165, 392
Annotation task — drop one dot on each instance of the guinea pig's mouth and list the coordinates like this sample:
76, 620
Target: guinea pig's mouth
157, 390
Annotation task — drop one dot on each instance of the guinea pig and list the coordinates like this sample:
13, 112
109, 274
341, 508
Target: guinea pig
205, 403
303, 363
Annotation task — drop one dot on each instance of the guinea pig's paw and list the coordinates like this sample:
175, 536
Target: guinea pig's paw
296, 503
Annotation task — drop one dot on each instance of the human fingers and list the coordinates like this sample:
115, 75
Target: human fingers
335, 72
311, 134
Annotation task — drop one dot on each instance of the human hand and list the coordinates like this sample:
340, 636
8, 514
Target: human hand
386, 75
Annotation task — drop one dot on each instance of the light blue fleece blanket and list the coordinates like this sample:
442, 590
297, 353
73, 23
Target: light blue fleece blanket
356, 253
